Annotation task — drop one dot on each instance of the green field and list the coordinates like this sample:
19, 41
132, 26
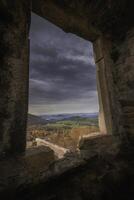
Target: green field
74, 122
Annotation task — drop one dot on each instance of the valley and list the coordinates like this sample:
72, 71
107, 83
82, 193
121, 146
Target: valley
64, 130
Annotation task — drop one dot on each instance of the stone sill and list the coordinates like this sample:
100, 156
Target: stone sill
38, 165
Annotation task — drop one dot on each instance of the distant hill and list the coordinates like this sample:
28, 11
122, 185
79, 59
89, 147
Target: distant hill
58, 117
44, 119
35, 120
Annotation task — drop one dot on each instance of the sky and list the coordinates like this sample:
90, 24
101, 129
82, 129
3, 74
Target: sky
62, 71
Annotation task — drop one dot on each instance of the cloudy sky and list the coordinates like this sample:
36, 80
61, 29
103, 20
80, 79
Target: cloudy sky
62, 71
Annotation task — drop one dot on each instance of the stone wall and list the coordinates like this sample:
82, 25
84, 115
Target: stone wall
38, 165
14, 61
123, 73
104, 84
101, 170
115, 72
18, 172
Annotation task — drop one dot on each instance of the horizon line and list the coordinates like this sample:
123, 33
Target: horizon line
64, 113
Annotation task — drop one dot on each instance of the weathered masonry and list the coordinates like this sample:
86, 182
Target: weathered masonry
109, 25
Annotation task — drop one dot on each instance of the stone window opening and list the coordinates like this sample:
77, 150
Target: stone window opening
39, 56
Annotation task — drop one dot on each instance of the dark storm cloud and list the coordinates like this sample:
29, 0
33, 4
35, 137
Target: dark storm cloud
61, 66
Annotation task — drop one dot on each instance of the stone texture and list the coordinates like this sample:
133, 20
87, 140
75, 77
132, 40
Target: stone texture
123, 76
70, 16
14, 61
19, 172
105, 121
102, 174
88, 19
58, 150
98, 144
38, 165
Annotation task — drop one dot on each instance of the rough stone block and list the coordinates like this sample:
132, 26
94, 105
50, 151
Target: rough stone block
18, 172
97, 144
37, 157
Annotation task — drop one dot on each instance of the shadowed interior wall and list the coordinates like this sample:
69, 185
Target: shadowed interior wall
14, 61
123, 73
